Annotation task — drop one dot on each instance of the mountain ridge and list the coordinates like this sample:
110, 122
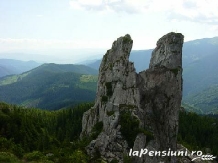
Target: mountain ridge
12, 66
200, 58
50, 86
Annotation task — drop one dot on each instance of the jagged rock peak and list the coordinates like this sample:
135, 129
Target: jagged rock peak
136, 110
121, 48
123, 42
168, 52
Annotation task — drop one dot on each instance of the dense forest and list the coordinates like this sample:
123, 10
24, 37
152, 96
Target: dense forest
34, 135
41, 136
198, 132
50, 86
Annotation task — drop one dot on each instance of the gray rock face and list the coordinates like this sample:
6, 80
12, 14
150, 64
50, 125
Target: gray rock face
137, 110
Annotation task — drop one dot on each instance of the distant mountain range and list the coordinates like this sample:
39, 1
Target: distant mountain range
200, 72
11, 66
53, 86
50, 86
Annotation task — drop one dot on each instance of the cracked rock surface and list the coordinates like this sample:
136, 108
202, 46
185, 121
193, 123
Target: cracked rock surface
137, 110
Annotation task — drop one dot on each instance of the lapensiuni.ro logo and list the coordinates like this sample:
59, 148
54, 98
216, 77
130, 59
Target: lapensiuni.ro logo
185, 153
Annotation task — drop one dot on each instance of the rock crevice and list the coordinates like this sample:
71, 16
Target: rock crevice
137, 110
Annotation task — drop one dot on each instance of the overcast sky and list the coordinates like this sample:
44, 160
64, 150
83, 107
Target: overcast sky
59, 29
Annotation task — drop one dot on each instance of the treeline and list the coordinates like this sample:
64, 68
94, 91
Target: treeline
206, 100
48, 90
33, 135
198, 132
30, 134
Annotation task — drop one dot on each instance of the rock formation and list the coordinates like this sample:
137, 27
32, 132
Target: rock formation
136, 111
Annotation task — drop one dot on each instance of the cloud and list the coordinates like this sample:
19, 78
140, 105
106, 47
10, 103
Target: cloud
128, 6
200, 11
203, 11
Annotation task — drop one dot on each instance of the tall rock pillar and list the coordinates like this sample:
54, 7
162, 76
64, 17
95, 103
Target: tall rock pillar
161, 93
136, 110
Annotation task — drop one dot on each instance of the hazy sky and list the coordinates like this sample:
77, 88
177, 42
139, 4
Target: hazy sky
59, 29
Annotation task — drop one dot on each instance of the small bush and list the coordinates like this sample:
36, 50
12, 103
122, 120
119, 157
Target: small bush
109, 113
129, 126
78, 157
175, 71
114, 161
127, 159
97, 129
8, 158
34, 156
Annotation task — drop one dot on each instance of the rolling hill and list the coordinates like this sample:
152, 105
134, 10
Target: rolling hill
50, 86
11, 66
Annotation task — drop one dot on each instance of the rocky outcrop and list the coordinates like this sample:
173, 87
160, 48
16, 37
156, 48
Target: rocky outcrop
136, 111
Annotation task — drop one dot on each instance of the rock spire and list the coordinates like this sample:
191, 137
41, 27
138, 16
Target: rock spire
136, 111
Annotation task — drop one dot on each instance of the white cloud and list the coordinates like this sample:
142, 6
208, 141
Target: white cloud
204, 11
128, 6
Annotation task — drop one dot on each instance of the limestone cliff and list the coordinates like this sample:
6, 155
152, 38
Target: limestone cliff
136, 110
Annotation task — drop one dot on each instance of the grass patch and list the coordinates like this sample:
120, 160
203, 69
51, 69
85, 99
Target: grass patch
109, 113
175, 71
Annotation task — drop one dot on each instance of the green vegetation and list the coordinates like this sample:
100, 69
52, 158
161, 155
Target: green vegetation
97, 129
114, 161
110, 113
41, 136
149, 135
191, 108
50, 86
175, 71
8, 158
127, 159
198, 132
127, 39
12, 79
32, 134
206, 100
129, 126
126, 106
88, 78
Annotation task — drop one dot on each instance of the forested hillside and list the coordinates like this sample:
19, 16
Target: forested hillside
33, 135
30, 134
198, 132
50, 86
